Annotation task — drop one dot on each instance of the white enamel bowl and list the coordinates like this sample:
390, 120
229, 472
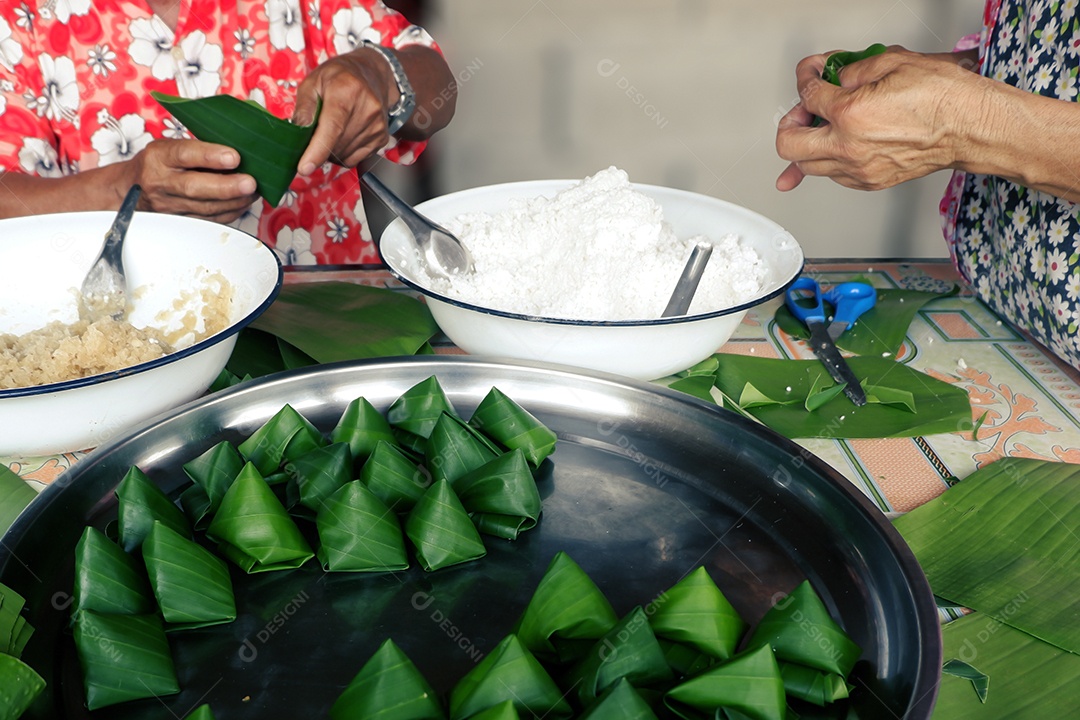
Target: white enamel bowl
174, 266
642, 349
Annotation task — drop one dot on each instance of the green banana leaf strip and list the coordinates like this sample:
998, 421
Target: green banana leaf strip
454, 449
286, 435
940, 407
880, 330
890, 396
320, 473
621, 702
685, 661
15, 495
332, 321
502, 487
14, 630
800, 630
19, 687
215, 470
503, 711
629, 650
123, 657
512, 426
255, 354
1032, 508
979, 680
812, 685
107, 579
388, 687
418, 409
394, 478
566, 604
140, 504
752, 397
362, 427
270, 148
508, 672
441, 531
822, 390
749, 683
191, 584
699, 386
253, 529
694, 612
202, 712
359, 533
292, 357
1032, 679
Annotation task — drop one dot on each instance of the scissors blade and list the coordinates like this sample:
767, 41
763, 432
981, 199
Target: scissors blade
824, 347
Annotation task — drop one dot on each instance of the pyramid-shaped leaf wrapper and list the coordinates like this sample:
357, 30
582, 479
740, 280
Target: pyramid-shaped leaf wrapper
565, 605
388, 687
455, 449
630, 651
320, 473
253, 529
215, 470
812, 685
123, 657
203, 712
362, 427
286, 435
441, 530
19, 686
511, 425
501, 495
749, 683
621, 702
696, 613
801, 631
358, 533
107, 579
418, 409
503, 711
508, 672
191, 584
394, 478
140, 503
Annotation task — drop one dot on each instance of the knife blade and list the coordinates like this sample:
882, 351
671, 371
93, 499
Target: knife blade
823, 346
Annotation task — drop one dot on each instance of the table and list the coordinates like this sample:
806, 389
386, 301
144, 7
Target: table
1030, 399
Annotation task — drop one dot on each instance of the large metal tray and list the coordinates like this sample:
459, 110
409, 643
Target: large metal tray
645, 485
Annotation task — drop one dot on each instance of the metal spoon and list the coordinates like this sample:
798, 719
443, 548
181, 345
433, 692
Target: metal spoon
439, 249
103, 289
688, 280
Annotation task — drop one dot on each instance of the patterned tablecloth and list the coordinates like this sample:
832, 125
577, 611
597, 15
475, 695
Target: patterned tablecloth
1031, 401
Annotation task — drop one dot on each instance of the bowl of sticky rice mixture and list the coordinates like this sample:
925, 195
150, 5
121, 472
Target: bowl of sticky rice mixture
578, 272
69, 382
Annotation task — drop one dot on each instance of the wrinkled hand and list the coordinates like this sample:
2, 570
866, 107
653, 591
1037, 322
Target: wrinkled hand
895, 117
191, 177
352, 121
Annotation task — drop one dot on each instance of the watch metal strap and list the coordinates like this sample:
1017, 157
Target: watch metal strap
406, 104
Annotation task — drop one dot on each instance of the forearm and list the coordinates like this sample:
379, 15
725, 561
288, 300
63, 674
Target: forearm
435, 88
97, 189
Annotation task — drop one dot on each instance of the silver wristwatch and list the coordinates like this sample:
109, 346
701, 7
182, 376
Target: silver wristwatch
406, 104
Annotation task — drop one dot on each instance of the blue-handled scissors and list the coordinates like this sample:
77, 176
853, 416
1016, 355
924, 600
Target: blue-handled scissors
805, 300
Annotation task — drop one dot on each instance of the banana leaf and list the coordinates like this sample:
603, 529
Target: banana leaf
508, 672
318, 474
253, 529
629, 650
19, 687
195, 504
15, 632
881, 329
215, 470
621, 702
939, 407
512, 426
191, 584
362, 427
1003, 541
123, 657
107, 579
418, 409
388, 687
503, 711
749, 683
454, 449
979, 680
694, 612
566, 605
501, 496
140, 504
685, 661
800, 630
441, 530
812, 685
394, 478
202, 712
15, 495
287, 435
359, 533
270, 148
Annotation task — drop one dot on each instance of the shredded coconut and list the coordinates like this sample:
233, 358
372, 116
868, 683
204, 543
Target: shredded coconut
599, 250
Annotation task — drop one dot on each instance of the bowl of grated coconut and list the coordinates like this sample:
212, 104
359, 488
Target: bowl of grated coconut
69, 384
579, 272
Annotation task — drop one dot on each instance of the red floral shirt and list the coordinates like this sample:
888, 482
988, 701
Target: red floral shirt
76, 76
